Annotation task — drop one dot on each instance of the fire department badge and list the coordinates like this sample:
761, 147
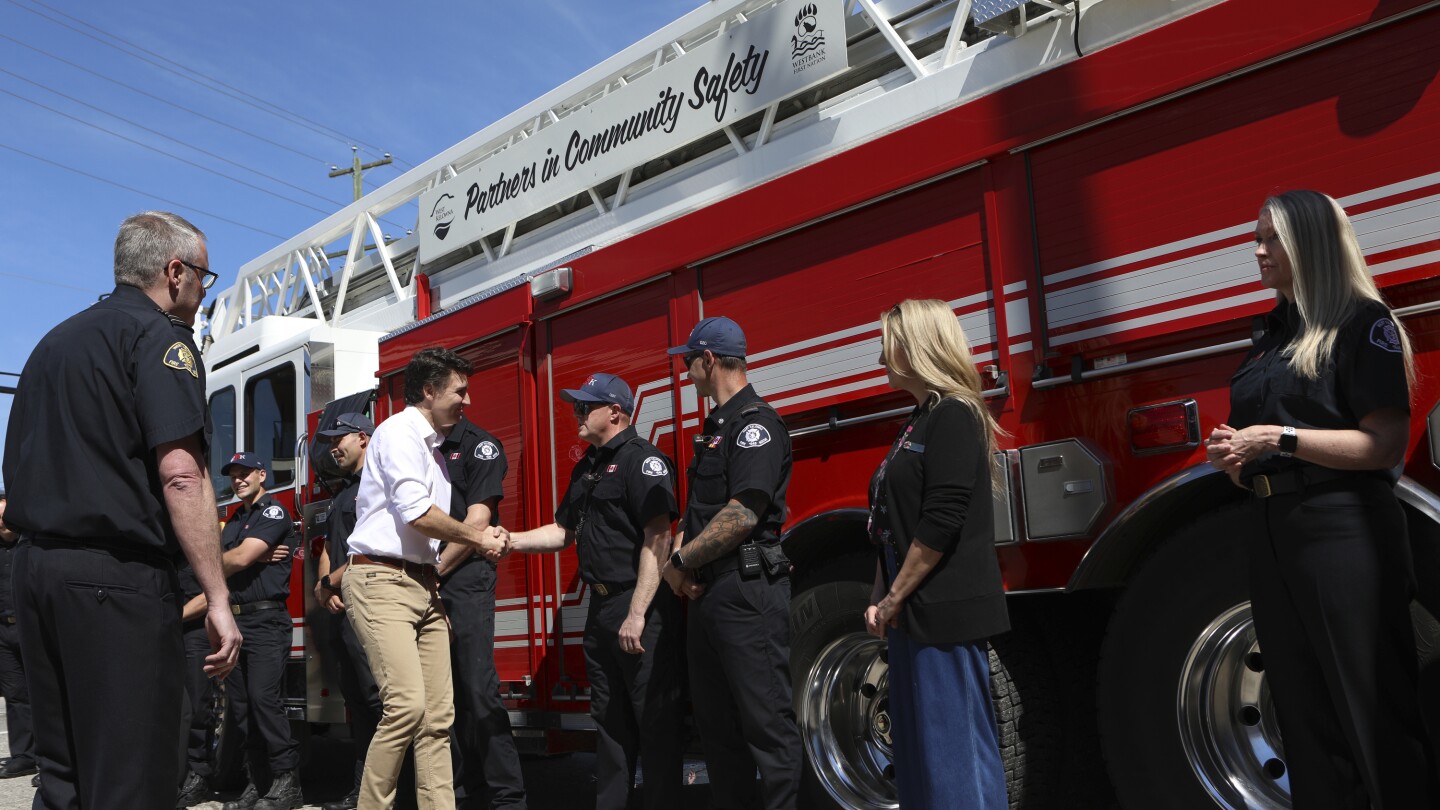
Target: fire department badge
653, 466
179, 356
754, 435
1384, 334
487, 451
274, 513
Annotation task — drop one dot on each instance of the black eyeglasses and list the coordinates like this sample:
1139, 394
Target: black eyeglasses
690, 357
207, 278
583, 409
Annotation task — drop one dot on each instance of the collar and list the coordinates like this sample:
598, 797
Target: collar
135, 298
421, 426
457, 433
734, 405
260, 503
617, 441
1284, 318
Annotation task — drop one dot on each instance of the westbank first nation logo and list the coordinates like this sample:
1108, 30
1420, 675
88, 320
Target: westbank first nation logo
443, 215
807, 46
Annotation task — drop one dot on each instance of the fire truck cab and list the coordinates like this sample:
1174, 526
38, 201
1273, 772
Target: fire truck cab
1079, 180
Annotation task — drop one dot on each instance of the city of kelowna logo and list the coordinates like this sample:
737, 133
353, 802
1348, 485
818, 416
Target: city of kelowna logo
807, 46
443, 216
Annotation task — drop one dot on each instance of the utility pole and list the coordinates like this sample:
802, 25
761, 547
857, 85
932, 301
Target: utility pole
356, 167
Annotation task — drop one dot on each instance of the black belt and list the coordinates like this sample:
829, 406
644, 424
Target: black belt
610, 590
256, 607
1289, 482
711, 571
120, 550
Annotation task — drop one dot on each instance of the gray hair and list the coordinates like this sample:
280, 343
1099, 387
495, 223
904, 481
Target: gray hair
148, 241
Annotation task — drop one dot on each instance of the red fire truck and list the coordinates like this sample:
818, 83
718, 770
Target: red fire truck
1079, 180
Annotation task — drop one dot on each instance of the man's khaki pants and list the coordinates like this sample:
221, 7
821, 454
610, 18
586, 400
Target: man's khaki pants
401, 623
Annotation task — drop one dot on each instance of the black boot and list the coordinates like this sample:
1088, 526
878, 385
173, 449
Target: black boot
246, 800
284, 793
350, 802
195, 790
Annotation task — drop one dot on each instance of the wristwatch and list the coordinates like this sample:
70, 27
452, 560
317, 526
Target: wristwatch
677, 562
1289, 442
328, 585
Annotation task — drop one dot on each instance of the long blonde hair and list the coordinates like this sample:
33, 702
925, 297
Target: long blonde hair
938, 355
1329, 276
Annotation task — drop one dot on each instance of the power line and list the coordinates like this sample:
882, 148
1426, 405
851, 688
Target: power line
141, 126
160, 151
236, 93
134, 190
162, 100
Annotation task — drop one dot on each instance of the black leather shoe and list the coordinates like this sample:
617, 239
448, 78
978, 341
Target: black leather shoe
35, 781
284, 793
245, 801
350, 802
14, 767
195, 790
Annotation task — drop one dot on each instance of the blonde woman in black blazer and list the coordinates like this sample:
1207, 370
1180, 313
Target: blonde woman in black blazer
938, 594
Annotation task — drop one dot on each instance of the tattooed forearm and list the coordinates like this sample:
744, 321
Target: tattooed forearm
730, 527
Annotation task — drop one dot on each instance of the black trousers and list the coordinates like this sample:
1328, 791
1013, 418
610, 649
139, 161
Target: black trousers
739, 645
18, 723
254, 690
1331, 584
100, 633
635, 701
199, 708
487, 766
357, 687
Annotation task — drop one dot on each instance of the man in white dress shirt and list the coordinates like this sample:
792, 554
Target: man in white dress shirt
402, 514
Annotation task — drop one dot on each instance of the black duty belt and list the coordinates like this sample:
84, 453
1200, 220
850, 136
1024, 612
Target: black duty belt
1289, 482
711, 571
256, 607
603, 589
120, 549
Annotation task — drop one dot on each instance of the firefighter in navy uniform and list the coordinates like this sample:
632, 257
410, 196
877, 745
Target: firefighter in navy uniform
104, 459
348, 439
617, 511
739, 628
259, 588
487, 765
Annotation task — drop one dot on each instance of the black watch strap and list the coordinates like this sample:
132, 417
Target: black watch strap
677, 562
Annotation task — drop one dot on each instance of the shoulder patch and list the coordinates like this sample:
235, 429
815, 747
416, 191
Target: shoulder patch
1384, 334
654, 466
487, 451
274, 512
179, 357
753, 435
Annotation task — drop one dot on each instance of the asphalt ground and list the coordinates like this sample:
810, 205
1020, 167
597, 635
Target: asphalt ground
565, 782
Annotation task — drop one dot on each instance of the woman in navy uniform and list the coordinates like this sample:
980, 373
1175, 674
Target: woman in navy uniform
938, 595
1318, 427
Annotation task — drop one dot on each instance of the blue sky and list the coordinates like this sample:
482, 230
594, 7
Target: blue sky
408, 78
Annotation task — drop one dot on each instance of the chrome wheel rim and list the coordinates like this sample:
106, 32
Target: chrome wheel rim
1227, 721
845, 716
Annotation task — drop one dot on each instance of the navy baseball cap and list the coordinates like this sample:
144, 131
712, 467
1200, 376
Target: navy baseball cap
720, 335
244, 458
347, 423
602, 387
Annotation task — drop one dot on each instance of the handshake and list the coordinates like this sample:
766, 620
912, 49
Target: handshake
495, 543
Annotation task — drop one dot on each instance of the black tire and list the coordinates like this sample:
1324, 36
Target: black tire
1169, 709
847, 763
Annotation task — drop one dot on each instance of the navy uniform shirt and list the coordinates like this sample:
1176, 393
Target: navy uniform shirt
476, 463
614, 491
340, 522
261, 582
189, 583
1366, 372
745, 446
98, 395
